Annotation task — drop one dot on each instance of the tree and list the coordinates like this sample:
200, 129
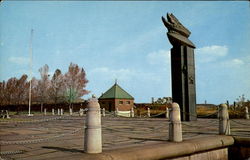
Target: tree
34, 90
43, 85
10, 90
22, 89
75, 82
163, 100
57, 87
2, 93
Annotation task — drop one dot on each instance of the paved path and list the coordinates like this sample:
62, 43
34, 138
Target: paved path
41, 137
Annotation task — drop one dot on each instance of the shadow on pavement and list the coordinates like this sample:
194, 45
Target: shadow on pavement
64, 149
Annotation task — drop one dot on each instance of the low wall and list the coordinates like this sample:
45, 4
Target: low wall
240, 150
205, 148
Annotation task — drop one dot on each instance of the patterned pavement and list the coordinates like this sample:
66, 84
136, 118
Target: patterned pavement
45, 137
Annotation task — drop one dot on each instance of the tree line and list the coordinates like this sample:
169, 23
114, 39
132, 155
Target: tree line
60, 88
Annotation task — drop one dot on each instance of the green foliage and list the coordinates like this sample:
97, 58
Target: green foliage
71, 95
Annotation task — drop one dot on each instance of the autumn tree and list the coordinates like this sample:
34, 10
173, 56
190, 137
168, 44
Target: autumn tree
57, 87
21, 93
68, 87
43, 85
75, 83
2, 93
10, 90
35, 90
15, 91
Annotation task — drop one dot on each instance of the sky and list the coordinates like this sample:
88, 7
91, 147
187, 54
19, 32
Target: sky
127, 41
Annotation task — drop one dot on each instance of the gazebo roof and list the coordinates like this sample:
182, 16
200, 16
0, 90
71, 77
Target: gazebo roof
116, 92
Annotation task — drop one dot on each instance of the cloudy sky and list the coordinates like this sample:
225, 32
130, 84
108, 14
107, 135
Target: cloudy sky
127, 41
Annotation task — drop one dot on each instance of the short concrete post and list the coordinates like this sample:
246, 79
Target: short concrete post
45, 111
61, 111
132, 113
7, 114
93, 130
103, 112
58, 112
224, 124
246, 112
81, 112
148, 112
218, 112
70, 112
53, 111
175, 128
2, 112
116, 111
167, 113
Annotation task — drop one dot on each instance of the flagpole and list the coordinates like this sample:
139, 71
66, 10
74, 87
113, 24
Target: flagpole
31, 57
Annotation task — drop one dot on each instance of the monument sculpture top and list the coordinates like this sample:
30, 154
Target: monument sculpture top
177, 33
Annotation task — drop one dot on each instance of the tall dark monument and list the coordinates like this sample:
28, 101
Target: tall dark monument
182, 67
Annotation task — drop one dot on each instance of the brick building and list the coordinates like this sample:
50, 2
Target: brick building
116, 97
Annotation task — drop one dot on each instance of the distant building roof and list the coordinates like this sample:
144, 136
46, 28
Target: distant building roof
116, 92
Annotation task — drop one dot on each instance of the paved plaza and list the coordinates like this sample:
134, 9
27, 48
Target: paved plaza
48, 137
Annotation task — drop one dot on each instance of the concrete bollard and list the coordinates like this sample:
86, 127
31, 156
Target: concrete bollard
2, 113
7, 114
93, 130
148, 112
246, 112
103, 112
218, 112
58, 112
45, 111
116, 111
81, 112
132, 113
53, 111
175, 128
167, 113
61, 111
224, 124
70, 112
